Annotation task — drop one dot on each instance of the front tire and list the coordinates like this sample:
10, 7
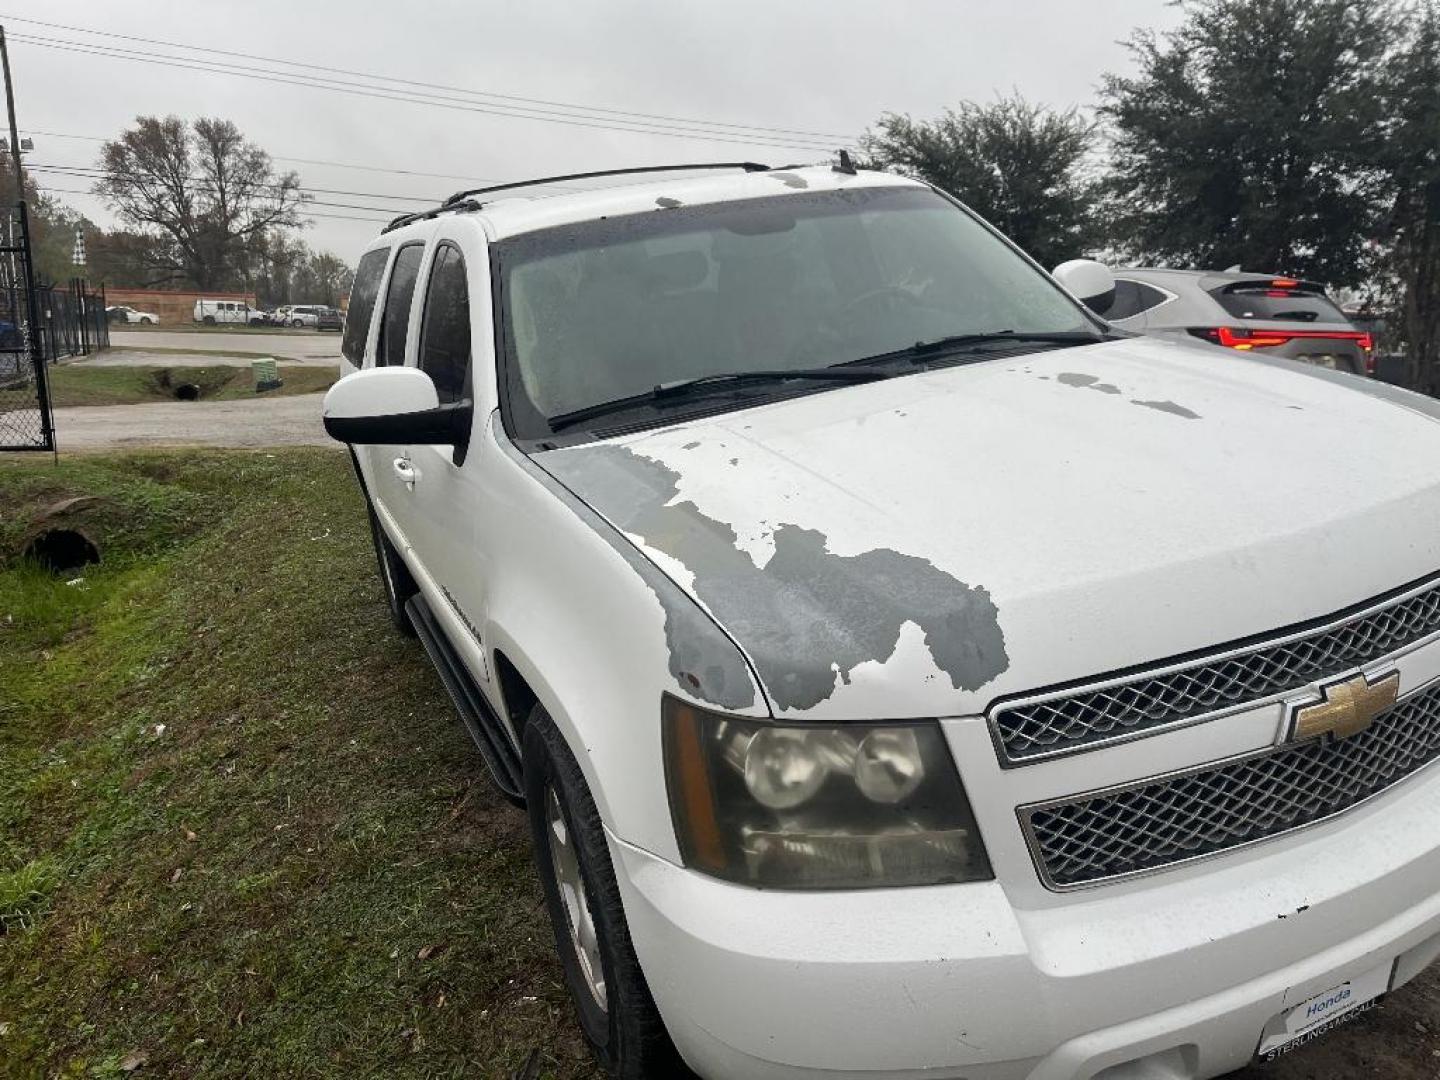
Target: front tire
297, 324
395, 576
209, 320
616, 1010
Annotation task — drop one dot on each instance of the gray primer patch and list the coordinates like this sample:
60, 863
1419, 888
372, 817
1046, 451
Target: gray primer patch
789, 179
704, 661
667, 203
808, 617
1168, 407
690, 446
1086, 382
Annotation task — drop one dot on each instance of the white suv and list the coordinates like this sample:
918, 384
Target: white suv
298, 315
905, 673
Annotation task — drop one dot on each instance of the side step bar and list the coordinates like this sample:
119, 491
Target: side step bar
480, 720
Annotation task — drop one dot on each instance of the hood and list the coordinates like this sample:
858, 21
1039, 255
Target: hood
924, 545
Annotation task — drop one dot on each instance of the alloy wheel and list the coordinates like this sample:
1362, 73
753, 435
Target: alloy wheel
578, 918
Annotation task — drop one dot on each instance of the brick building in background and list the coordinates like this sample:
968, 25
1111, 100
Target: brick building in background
170, 306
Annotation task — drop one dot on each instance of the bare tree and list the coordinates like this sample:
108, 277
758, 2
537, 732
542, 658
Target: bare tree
207, 193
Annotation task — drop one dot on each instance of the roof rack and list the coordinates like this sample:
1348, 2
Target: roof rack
422, 215
462, 200
461, 196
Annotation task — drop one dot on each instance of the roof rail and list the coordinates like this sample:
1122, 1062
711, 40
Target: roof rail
462, 200
460, 196
422, 215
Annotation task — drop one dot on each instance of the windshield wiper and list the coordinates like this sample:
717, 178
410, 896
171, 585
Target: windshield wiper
683, 389
925, 350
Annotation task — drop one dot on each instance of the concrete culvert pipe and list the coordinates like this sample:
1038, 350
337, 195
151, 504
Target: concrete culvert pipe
63, 550
187, 391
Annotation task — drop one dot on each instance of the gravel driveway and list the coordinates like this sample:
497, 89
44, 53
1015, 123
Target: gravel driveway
278, 421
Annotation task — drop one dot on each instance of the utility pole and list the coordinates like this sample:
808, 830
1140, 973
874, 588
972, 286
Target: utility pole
14, 127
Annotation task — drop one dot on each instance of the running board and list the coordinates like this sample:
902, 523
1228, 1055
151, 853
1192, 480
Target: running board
480, 720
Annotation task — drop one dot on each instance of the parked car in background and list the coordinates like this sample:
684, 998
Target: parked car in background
330, 318
906, 672
298, 315
13, 359
213, 312
1280, 316
122, 313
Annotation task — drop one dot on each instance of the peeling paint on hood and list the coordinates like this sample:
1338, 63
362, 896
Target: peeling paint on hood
806, 617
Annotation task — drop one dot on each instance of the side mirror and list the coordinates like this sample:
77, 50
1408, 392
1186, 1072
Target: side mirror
393, 405
1088, 281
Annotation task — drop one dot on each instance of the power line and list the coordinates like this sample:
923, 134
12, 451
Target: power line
334, 217
330, 164
83, 172
307, 161
411, 98
569, 106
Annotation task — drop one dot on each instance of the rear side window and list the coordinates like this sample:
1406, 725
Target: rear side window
395, 318
445, 329
1282, 305
1133, 297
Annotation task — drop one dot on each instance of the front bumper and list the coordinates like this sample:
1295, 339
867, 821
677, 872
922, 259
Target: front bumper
1175, 975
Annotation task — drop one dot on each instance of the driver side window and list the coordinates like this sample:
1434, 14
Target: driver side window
445, 326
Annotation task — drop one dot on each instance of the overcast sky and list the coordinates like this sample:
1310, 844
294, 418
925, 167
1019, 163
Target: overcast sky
828, 67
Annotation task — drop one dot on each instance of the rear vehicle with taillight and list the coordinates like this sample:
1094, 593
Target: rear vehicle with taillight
1280, 316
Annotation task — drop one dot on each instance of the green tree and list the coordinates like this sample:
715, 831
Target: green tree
1019, 166
331, 276
1412, 160
1251, 136
52, 226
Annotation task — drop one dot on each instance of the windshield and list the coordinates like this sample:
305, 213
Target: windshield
613, 308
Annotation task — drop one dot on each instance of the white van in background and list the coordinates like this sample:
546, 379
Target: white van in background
211, 312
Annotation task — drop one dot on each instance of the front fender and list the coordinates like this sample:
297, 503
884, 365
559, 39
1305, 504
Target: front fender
599, 634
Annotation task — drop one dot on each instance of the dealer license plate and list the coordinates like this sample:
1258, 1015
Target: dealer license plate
1316, 1015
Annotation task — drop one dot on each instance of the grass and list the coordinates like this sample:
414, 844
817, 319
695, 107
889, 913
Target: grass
80, 384
241, 831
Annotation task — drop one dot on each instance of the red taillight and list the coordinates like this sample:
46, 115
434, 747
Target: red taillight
1283, 283
1233, 337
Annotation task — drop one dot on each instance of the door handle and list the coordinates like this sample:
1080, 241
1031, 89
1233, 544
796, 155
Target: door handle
407, 472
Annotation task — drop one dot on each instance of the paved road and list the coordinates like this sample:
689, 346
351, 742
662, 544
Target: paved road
279, 421
301, 345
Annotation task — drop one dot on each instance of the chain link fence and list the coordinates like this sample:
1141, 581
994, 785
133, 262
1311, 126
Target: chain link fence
25, 416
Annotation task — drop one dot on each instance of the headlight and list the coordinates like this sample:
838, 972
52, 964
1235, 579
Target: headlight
808, 807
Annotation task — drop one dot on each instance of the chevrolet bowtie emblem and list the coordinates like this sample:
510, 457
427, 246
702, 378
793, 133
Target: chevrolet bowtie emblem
1346, 709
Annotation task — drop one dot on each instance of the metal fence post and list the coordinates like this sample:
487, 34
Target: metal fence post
37, 355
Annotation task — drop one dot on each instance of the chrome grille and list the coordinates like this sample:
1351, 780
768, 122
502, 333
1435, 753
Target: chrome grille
1088, 718
1147, 826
